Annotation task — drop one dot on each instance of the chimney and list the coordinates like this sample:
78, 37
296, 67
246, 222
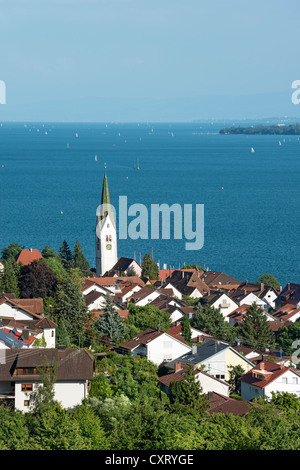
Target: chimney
210, 395
25, 334
194, 348
30, 250
177, 366
262, 286
262, 366
289, 286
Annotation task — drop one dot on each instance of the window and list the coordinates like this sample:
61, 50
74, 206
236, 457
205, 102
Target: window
284, 380
26, 387
26, 402
295, 380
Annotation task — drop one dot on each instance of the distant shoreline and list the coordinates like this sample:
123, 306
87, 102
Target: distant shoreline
293, 129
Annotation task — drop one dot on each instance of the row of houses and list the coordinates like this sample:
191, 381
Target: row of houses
27, 337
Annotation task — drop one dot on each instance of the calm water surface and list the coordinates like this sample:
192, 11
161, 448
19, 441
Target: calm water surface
50, 187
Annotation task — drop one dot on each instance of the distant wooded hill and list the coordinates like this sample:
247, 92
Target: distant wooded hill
293, 129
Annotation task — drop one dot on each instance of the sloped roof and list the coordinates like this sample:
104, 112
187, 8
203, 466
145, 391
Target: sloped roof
286, 312
290, 294
34, 305
213, 278
270, 370
123, 264
73, 364
14, 303
221, 404
27, 256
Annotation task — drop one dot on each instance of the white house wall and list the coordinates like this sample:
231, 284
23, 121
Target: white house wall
166, 348
6, 310
209, 384
69, 394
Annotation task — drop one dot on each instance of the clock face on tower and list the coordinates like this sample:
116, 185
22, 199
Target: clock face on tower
108, 247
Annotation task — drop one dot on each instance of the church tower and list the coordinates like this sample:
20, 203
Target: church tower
106, 233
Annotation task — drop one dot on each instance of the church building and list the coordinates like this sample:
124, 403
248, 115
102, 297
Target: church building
106, 233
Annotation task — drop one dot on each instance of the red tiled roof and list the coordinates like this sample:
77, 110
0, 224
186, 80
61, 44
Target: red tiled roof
27, 256
18, 335
286, 311
222, 404
269, 370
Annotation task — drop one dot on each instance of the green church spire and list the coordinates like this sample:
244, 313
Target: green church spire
105, 193
105, 208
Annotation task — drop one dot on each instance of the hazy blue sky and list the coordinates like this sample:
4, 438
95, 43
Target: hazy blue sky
148, 60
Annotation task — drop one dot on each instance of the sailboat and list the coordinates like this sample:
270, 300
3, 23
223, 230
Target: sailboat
279, 143
137, 164
96, 158
252, 150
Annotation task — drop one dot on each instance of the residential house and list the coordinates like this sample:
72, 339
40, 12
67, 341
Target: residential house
125, 266
186, 283
220, 301
216, 357
208, 383
290, 294
287, 312
156, 346
267, 377
20, 375
215, 279
23, 324
267, 294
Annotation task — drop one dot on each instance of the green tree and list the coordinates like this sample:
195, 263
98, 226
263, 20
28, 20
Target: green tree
90, 427
235, 372
56, 266
287, 335
186, 329
9, 280
79, 261
110, 324
42, 399
65, 255
187, 394
62, 336
11, 251
147, 316
255, 330
268, 280
286, 402
70, 306
49, 252
149, 267
211, 321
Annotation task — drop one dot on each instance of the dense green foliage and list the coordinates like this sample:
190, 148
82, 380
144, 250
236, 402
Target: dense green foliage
211, 321
9, 280
269, 280
148, 316
69, 306
149, 267
110, 324
255, 330
292, 129
127, 411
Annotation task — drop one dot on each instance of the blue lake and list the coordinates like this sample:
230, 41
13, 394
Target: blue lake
50, 188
